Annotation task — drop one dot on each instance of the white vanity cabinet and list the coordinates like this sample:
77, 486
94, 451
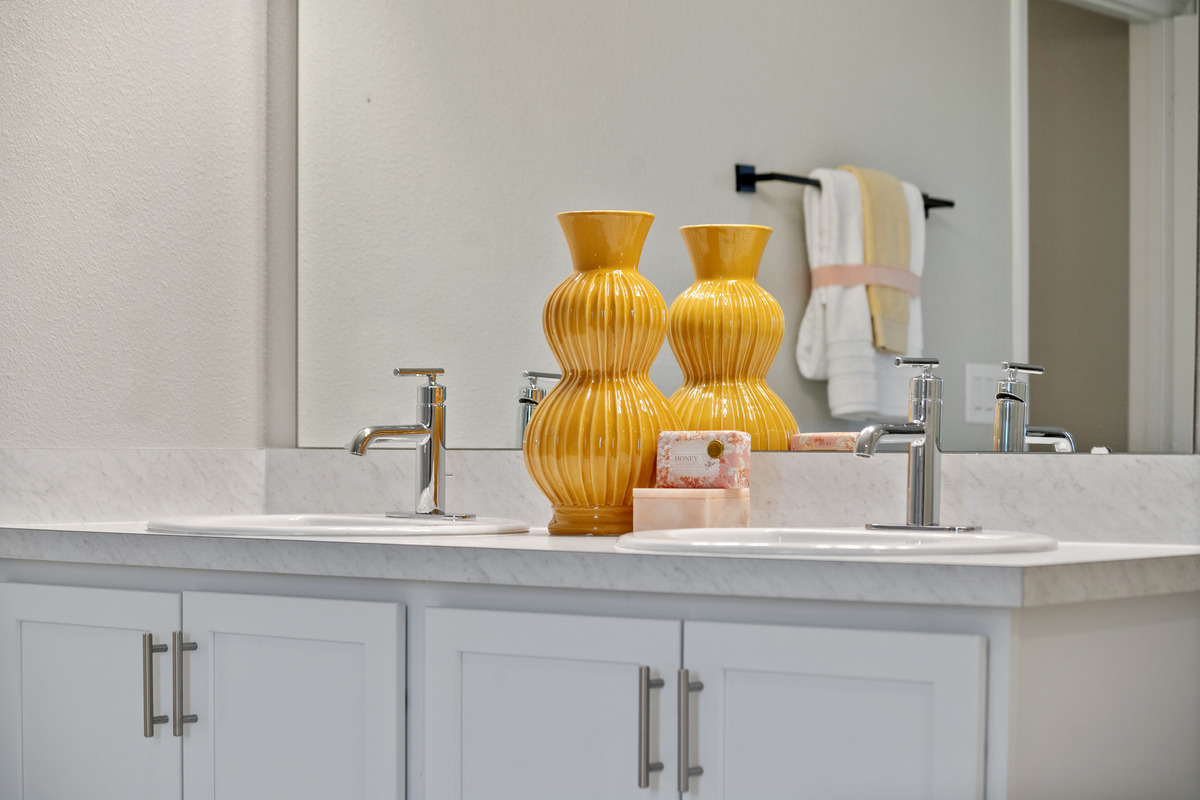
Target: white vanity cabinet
526, 706
71, 699
293, 697
827, 712
522, 705
526, 664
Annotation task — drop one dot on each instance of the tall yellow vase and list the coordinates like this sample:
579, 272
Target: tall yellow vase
593, 439
725, 330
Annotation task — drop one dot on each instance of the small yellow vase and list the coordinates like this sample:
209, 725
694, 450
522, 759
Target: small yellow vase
725, 330
594, 438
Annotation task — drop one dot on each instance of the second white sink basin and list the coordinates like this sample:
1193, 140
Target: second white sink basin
828, 542
292, 525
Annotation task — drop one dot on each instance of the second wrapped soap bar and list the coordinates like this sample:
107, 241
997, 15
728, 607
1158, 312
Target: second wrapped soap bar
703, 460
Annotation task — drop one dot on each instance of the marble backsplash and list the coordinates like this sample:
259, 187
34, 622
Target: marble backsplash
86, 485
1144, 498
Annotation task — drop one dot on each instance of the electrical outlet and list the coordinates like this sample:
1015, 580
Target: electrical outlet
981, 392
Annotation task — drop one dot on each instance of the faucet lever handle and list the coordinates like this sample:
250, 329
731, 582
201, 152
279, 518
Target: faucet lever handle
533, 376
429, 372
432, 393
1012, 368
925, 364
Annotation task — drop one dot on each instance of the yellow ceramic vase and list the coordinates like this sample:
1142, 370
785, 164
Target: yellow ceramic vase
593, 439
725, 330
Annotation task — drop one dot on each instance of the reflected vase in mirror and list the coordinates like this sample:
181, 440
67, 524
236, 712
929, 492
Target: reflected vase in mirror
725, 331
594, 438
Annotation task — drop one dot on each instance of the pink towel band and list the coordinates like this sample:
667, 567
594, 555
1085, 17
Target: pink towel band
873, 274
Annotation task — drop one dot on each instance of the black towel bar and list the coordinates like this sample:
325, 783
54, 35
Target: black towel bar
746, 179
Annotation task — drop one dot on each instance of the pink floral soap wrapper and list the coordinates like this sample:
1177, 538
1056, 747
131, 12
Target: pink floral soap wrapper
836, 442
703, 460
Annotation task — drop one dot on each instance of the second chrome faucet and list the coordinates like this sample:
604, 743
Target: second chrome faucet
923, 434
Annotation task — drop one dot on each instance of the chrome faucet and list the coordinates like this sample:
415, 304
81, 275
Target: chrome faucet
431, 446
1010, 432
923, 434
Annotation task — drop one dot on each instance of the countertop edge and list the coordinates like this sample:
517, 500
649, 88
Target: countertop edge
995, 586
1061, 584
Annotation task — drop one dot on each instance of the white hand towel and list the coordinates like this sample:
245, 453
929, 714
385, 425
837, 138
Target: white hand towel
835, 341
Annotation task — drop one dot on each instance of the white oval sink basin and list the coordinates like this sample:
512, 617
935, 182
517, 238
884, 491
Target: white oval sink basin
332, 525
828, 542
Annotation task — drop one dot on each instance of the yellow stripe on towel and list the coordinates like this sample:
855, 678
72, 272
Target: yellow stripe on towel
885, 241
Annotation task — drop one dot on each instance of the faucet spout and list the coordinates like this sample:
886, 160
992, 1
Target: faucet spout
382, 433
1060, 438
870, 437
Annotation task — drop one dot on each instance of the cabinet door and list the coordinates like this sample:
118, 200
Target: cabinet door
790, 712
71, 701
295, 698
529, 706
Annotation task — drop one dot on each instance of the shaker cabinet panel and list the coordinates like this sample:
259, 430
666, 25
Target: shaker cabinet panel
522, 706
791, 712
294, 698
71, 694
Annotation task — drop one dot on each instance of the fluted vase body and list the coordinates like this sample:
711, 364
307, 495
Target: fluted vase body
725, 331
593, 439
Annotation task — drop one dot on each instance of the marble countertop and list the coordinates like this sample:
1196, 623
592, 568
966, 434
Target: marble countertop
1075, 572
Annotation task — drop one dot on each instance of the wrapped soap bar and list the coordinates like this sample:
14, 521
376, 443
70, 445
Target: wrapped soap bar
842, 442
703, 460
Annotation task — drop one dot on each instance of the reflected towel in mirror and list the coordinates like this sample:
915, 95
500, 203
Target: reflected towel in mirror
836, 339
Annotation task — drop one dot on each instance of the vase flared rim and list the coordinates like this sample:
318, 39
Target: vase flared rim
725, 225
562, 214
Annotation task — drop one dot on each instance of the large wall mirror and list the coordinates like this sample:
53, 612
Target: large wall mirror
437, 141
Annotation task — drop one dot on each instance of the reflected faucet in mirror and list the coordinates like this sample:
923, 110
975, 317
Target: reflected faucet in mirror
430, 433
531, 394
1011, 432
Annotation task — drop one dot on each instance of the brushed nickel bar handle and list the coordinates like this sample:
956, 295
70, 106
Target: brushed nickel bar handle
149, 720
686, 686
645, 684
178, 647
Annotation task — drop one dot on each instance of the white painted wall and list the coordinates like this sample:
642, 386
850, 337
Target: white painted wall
438, 140
132, 227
